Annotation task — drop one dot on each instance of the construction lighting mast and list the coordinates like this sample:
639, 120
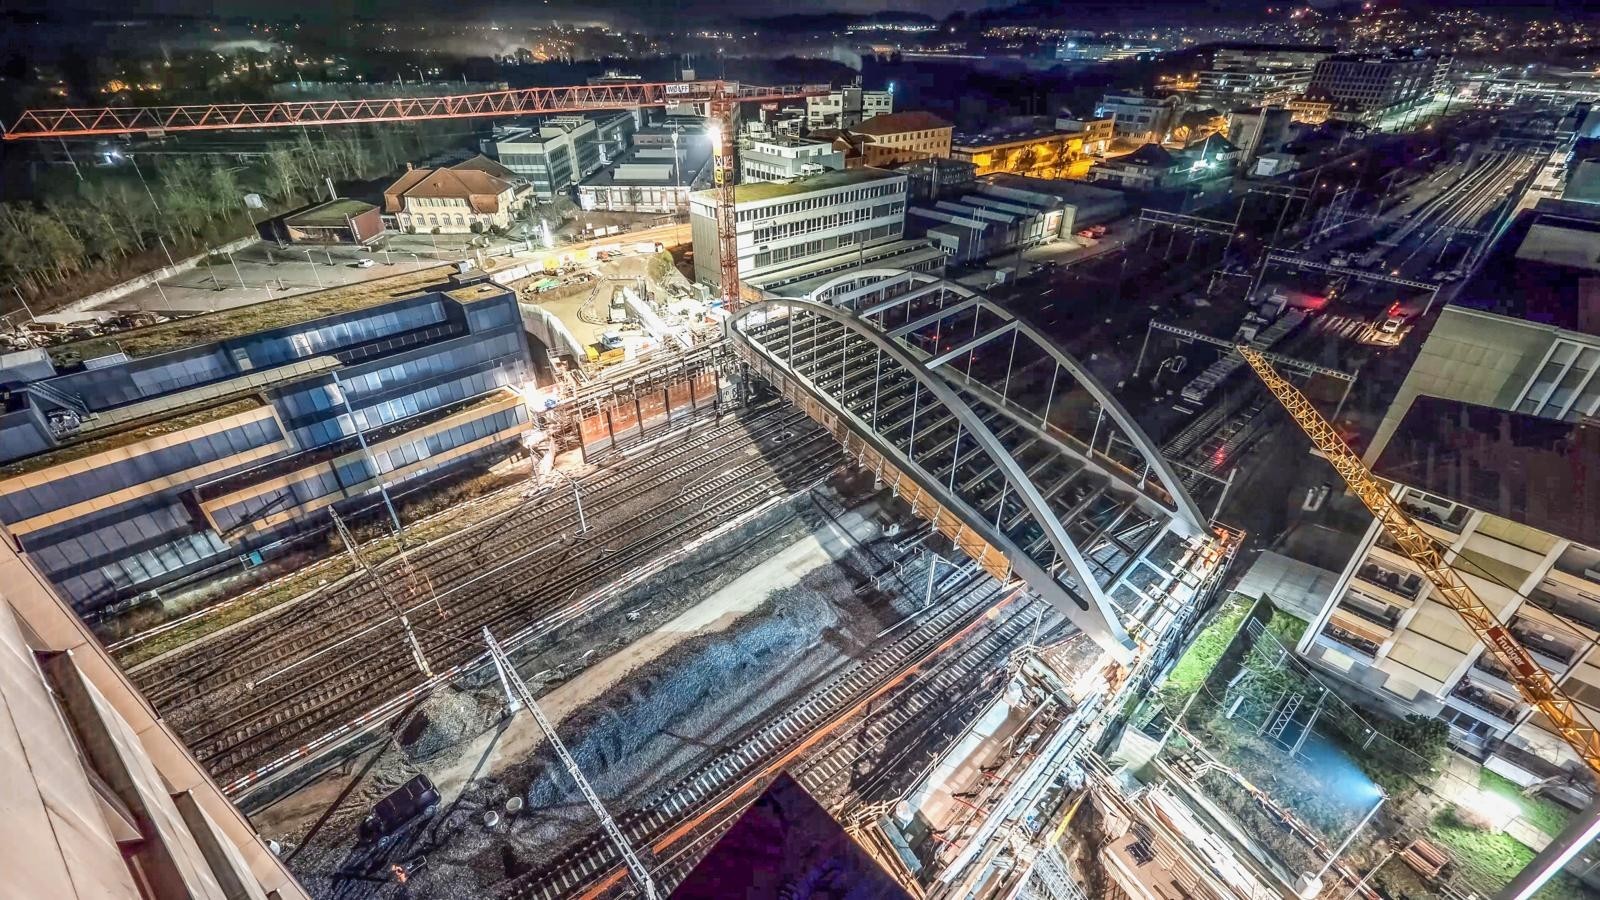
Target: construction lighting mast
1535, 684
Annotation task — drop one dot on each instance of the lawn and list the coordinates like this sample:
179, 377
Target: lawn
1196, 664
1487, 861
1542, 813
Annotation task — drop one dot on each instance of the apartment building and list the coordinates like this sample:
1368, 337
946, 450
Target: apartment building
1486, 444
1137, 117
556, 153
778, 158
102, 802
206, 442
847, 107
1367, 86
895, 138
785, 224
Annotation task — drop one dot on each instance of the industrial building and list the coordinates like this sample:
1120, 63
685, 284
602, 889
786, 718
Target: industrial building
847, 107
556, 153
1030, 150
781, 158
784, 224
102, 802
993, 218
1481, 443
1364, 87
203, 442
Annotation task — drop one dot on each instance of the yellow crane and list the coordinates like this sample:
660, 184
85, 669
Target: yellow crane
1530, 678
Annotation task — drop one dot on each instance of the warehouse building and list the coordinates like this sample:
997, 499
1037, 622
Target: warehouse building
649, 179
204, 441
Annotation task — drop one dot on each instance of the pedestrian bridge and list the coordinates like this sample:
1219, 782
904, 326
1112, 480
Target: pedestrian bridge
1004, 441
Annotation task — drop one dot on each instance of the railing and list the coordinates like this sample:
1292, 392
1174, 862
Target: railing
1356, 610
1407, 586
1478, 698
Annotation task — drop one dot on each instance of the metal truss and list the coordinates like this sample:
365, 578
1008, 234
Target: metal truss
1352, 271
157, 120
1012, 435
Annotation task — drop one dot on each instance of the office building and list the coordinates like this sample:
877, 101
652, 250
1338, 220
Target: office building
781, 158
556, 153
785, 224
1365, 87
650, 178
205, 442
1482, 443
1230, 89
1140, 118
847, 107
1269, 56
102, 802
894, 138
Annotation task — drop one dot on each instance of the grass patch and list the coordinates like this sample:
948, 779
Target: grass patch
1286, 628
1487, 862
1208, 646
1542, 813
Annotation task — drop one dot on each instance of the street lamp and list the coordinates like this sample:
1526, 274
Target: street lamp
577, 500
313, 264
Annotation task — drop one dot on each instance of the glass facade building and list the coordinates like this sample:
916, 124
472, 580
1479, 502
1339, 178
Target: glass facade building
118, 479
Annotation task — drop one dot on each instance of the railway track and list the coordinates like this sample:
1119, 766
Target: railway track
268, 690
719, 788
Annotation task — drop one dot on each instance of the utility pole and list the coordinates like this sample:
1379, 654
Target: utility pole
383, 591
517, 694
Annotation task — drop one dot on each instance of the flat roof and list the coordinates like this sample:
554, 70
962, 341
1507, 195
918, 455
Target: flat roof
1524, 468
758, 191
238, 321
127, 436
331, 214
1536, 270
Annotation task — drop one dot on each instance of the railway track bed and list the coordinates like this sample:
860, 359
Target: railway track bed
661, 724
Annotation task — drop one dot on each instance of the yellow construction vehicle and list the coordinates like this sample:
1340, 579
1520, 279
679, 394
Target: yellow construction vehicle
1530, 678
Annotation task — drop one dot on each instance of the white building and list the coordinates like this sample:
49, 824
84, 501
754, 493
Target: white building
847, 107
781, 158
650, 179
558, 152
784, 224
1138, 117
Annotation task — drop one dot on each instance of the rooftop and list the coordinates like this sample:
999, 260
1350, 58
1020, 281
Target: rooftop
122, 438
1524, 468
242, 320
997, 139
756, 192
331, 214
1542, 269
901, 122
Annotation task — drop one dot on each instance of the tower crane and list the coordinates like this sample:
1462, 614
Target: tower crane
721, 97
1535, 684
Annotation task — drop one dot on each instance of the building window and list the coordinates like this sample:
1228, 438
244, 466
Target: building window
1565, 387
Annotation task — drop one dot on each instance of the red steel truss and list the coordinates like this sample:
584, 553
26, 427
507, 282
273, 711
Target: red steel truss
157, 120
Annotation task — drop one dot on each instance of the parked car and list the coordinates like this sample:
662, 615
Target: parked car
364, 263
417, 797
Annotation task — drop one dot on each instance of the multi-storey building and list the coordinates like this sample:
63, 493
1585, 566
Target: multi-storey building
649, 179
469, 197
1269, 56
894, 138
847, 107
1137, 117
780, 158
102, 802
556, 153
1258, 130
206, 442
784, 224
1239, 88
1104, 49
1486, 444
1366, 87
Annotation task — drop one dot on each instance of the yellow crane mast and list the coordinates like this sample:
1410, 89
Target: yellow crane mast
1530, 678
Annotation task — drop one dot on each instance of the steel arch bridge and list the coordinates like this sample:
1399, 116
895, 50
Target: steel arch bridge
1006, 442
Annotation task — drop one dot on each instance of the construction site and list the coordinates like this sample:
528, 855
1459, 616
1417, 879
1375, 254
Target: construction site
1033, 592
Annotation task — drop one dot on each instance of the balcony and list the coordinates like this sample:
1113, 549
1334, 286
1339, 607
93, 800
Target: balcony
1407, 586
1541, 642
1386, 617
1487, 701
1488, 670
1584, 612
1349, 639
1448, 516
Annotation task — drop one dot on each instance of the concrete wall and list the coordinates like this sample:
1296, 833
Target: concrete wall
101, 298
